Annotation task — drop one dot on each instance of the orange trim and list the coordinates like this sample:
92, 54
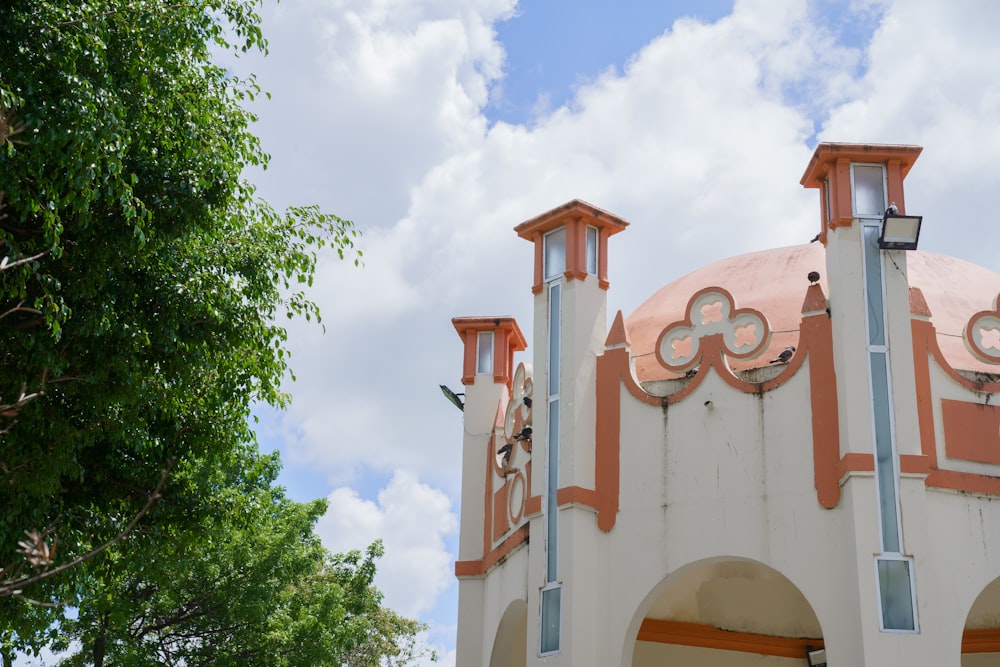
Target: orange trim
532, 506
855, 462
613, 371
602, 258
831, 165
617, 334
816, 336
690, 326
707, 636
918, 304
576, 251
501, 364
914, 464
970, 340
929, 336
537, 285
841, 209
577, 495
469, 357
925, 347
488, 491
920, 330
576, 216
971, 431
894, 182
986, 640
507, 339
500, 521
964, 481
713, 353
477, 568
577, 208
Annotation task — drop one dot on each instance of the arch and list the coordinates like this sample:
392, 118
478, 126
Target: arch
724, 610
510, 647
981, 634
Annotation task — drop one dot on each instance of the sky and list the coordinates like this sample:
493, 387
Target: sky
439, 125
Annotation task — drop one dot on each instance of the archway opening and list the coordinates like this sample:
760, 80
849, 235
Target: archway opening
727, 611
981, 637
510, 648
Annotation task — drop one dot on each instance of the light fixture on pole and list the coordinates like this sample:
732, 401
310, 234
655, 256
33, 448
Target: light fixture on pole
899, 232
453, 397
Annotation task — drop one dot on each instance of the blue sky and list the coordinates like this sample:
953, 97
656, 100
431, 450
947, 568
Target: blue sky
553, 46
439, 125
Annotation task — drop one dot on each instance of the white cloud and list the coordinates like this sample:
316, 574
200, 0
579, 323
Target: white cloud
931, 82
412, 520
368, 95
699, 141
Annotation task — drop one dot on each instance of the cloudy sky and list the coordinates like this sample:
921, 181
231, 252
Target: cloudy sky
438, 125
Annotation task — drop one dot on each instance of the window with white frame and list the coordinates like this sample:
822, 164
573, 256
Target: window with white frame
592, 237
555, 253
484, 356
893, 571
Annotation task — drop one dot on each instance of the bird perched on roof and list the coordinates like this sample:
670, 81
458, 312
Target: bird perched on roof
892, 210
691, 372
525, 434
813, 276
814, 239
784, 356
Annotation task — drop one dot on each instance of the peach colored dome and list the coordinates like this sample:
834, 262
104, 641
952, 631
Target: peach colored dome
774, 282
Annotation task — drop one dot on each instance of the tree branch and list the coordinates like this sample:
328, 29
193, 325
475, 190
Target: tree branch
19, 308
5, 263
11, 588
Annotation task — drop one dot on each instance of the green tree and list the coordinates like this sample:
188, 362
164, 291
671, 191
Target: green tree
255, 587
389, 640
142, 283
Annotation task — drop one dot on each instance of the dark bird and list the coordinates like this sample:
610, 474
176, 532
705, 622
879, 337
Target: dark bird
813, 276
785, 355
527, 401
506, 451
525, 434
691, 373
892, 210
814, 239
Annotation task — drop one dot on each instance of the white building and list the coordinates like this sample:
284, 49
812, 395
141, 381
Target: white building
661, 493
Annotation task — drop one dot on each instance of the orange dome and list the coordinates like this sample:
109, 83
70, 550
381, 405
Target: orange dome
774, 282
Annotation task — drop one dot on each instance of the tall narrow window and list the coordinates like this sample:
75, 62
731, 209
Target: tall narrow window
592, 250
551, 595
555, 253
484, 344
551, 616
869, 189
897, 597
827, 210
893, 570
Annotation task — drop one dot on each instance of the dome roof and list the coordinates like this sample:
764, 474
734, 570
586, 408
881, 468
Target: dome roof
774, 282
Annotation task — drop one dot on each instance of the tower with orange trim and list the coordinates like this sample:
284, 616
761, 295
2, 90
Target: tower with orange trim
672, 489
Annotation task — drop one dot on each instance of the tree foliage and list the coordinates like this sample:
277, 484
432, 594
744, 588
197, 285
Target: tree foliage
142, 284
256, 587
